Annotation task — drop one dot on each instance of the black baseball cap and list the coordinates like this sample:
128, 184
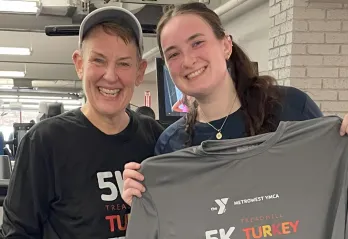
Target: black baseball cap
112, 14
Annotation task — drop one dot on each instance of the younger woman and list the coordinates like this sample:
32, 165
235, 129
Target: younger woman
231, 100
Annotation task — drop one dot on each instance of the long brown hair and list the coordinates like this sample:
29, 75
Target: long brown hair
258, 95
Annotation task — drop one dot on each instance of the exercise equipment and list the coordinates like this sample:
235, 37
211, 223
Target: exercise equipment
55, 109
2, 143
20, 129
10, 146
5, 175
48, 110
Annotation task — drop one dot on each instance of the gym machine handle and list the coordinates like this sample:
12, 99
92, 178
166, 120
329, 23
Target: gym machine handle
73, 30
62, 30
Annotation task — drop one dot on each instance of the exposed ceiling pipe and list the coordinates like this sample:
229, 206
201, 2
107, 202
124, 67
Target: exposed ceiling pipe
154, 52
57, 84
61, 90
38, 93
151, 54
228, 6
134, 8
6, 108
20, 30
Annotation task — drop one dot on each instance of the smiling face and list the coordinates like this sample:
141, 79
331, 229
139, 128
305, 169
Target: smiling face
195, 57
110, 68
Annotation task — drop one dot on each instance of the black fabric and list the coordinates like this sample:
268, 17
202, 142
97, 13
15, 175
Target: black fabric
67, 180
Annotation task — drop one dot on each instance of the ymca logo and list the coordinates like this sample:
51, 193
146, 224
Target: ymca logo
222, 205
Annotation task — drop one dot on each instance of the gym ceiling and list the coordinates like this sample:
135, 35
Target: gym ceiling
33, 64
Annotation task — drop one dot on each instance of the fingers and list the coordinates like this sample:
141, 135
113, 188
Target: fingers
128, 194
130, 171
133, 192
344, 126
132, 165
132, 174
131, 188
131, 183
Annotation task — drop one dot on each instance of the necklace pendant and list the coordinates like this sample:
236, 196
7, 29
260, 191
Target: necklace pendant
219, 135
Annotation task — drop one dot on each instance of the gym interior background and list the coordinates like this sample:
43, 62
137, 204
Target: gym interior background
302, 43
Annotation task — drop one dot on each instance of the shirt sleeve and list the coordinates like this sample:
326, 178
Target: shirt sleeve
26, 205
311, 109
158, 130
143, 221
158, 147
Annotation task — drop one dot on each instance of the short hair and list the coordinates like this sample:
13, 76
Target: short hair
112, 28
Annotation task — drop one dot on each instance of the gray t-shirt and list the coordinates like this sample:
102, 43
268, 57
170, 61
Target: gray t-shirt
288, 184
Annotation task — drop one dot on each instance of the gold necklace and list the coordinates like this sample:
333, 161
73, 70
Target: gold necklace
219, 134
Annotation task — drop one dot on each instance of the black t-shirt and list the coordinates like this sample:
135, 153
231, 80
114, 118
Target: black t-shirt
295, 106
67, 180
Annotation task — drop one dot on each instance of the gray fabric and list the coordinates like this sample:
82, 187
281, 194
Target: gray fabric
289, 182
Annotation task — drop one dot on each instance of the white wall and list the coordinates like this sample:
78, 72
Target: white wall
250, 31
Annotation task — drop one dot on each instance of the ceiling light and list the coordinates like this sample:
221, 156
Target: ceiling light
18, 6
15, 51
8, 96
6, 87
12, 74
8, 100
70, 107
65, 102
40, 97
5, 81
